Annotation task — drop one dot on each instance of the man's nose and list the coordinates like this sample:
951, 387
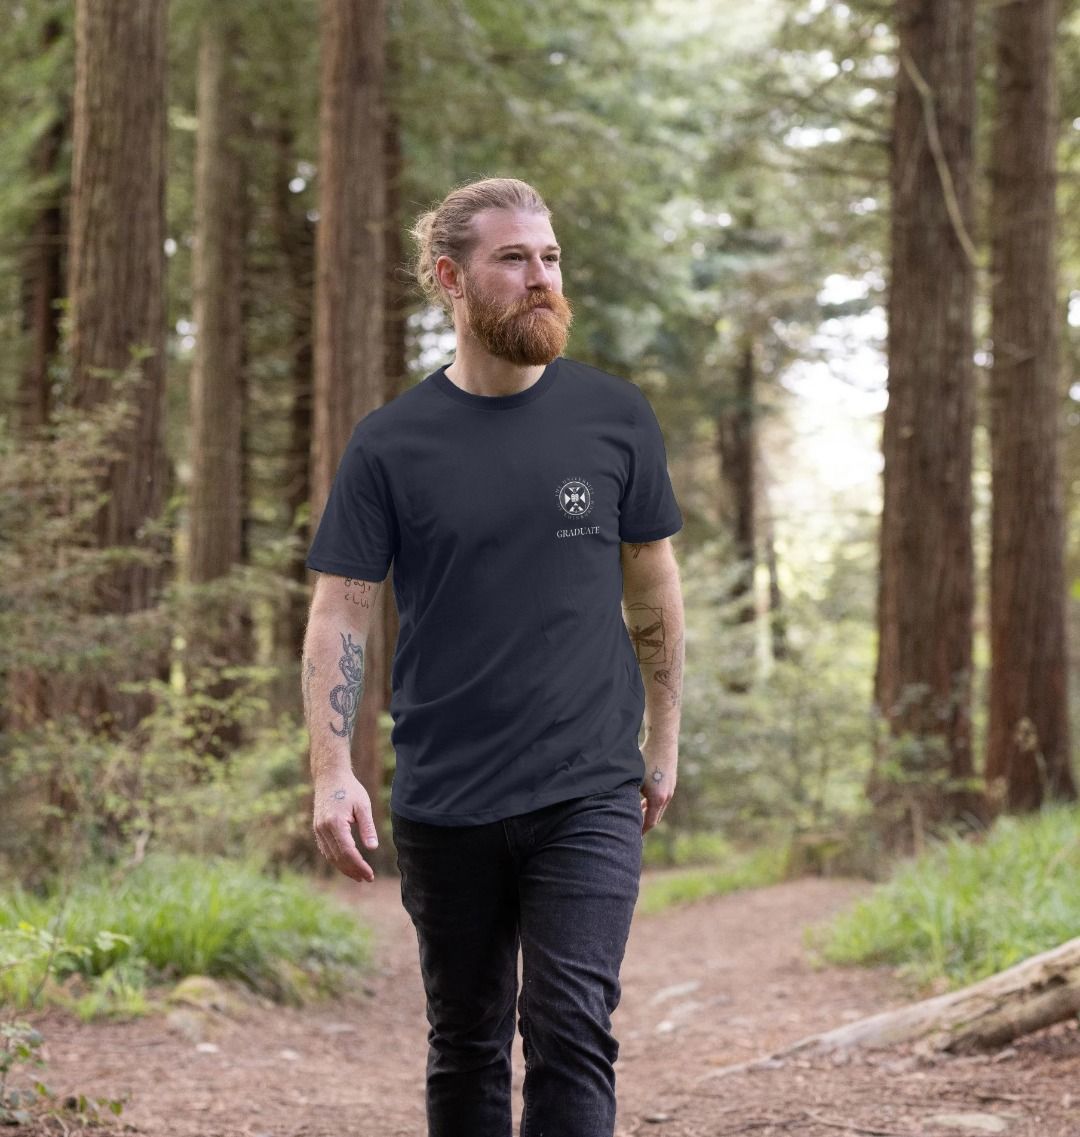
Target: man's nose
538, 274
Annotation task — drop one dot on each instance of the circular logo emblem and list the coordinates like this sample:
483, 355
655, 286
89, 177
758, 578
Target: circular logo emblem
575, 497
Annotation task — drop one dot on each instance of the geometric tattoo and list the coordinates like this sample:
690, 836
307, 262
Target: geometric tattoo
647, 632
345, 699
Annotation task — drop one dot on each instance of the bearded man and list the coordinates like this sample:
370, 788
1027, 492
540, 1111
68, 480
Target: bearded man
524, 502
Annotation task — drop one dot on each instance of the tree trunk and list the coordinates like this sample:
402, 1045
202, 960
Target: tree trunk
778, 637
736, 446
296, 239
350, 288
923, 766
1033, 994
116, 287
214, 501
735, 441
43, 281
1028, 743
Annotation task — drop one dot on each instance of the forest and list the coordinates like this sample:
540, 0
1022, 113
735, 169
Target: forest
835, 245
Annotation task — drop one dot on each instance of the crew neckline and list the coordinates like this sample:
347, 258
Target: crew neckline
496, 402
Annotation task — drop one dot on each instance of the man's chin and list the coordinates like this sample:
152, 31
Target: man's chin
530, 358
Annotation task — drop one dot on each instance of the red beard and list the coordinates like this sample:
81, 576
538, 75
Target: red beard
528, 332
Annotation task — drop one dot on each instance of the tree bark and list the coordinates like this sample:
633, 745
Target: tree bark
214, 503
295, 236
923, 767
116, 284
350, 290
1028, 741
1035, 993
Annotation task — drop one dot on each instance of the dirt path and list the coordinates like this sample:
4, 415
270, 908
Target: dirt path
703, 986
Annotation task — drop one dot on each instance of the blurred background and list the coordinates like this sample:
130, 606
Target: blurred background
834, 243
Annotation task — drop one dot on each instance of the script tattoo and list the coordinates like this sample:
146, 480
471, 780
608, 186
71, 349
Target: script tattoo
360, 592
345, 698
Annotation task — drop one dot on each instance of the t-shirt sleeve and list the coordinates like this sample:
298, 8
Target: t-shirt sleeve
648, 510
357, 534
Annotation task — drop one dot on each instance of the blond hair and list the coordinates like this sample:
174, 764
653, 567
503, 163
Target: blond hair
447, 230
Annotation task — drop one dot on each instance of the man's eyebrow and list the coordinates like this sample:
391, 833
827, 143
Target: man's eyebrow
522, 245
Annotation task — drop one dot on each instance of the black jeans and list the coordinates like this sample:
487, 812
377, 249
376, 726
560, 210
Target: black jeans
562, 882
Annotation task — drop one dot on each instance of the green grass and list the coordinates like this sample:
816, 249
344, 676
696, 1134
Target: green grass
176, 916
963, 910
742, 870
681, 849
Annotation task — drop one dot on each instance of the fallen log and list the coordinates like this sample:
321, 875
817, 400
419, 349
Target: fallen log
1032, 994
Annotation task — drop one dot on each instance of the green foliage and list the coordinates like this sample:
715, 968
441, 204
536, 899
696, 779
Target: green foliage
791, 753
52, 570
172, 916
684, 848
71, 794
20, 1046
29, 958
762, 866
967, 909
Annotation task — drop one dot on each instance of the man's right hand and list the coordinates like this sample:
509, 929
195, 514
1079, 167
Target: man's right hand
338, 803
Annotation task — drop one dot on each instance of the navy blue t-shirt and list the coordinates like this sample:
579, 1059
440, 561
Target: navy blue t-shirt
514, 681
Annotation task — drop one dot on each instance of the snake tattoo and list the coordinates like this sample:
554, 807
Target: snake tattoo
345, 698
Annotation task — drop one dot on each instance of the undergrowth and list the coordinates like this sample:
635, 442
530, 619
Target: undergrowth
967, 909
173, 916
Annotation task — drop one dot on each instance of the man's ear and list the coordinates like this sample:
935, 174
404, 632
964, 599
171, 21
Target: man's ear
448, 273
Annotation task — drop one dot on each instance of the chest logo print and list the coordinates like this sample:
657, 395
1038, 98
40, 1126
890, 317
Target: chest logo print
575, 497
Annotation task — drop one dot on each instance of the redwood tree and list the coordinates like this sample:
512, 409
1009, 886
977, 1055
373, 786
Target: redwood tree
215, 501
923, 765
116, 285
1028, 744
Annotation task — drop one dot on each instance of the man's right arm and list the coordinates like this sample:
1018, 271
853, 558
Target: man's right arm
333, 670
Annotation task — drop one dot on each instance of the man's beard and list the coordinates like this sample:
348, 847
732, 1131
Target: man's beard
523, 332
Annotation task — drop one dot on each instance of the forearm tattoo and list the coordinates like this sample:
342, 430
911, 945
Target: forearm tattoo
646, 626
360, 592
648, 633
671, 676
345, 698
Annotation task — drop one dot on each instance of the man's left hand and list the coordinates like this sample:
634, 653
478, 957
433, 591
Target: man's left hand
661, 760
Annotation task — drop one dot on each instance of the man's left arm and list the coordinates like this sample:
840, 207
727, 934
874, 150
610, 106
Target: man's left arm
653, 611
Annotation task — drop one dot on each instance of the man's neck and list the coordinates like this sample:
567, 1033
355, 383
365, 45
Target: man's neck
481, 373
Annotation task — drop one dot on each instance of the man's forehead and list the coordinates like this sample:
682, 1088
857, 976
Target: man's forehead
497, 227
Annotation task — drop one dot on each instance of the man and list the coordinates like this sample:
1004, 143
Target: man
524, 502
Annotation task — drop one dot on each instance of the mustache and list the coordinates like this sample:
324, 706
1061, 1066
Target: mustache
548, 299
